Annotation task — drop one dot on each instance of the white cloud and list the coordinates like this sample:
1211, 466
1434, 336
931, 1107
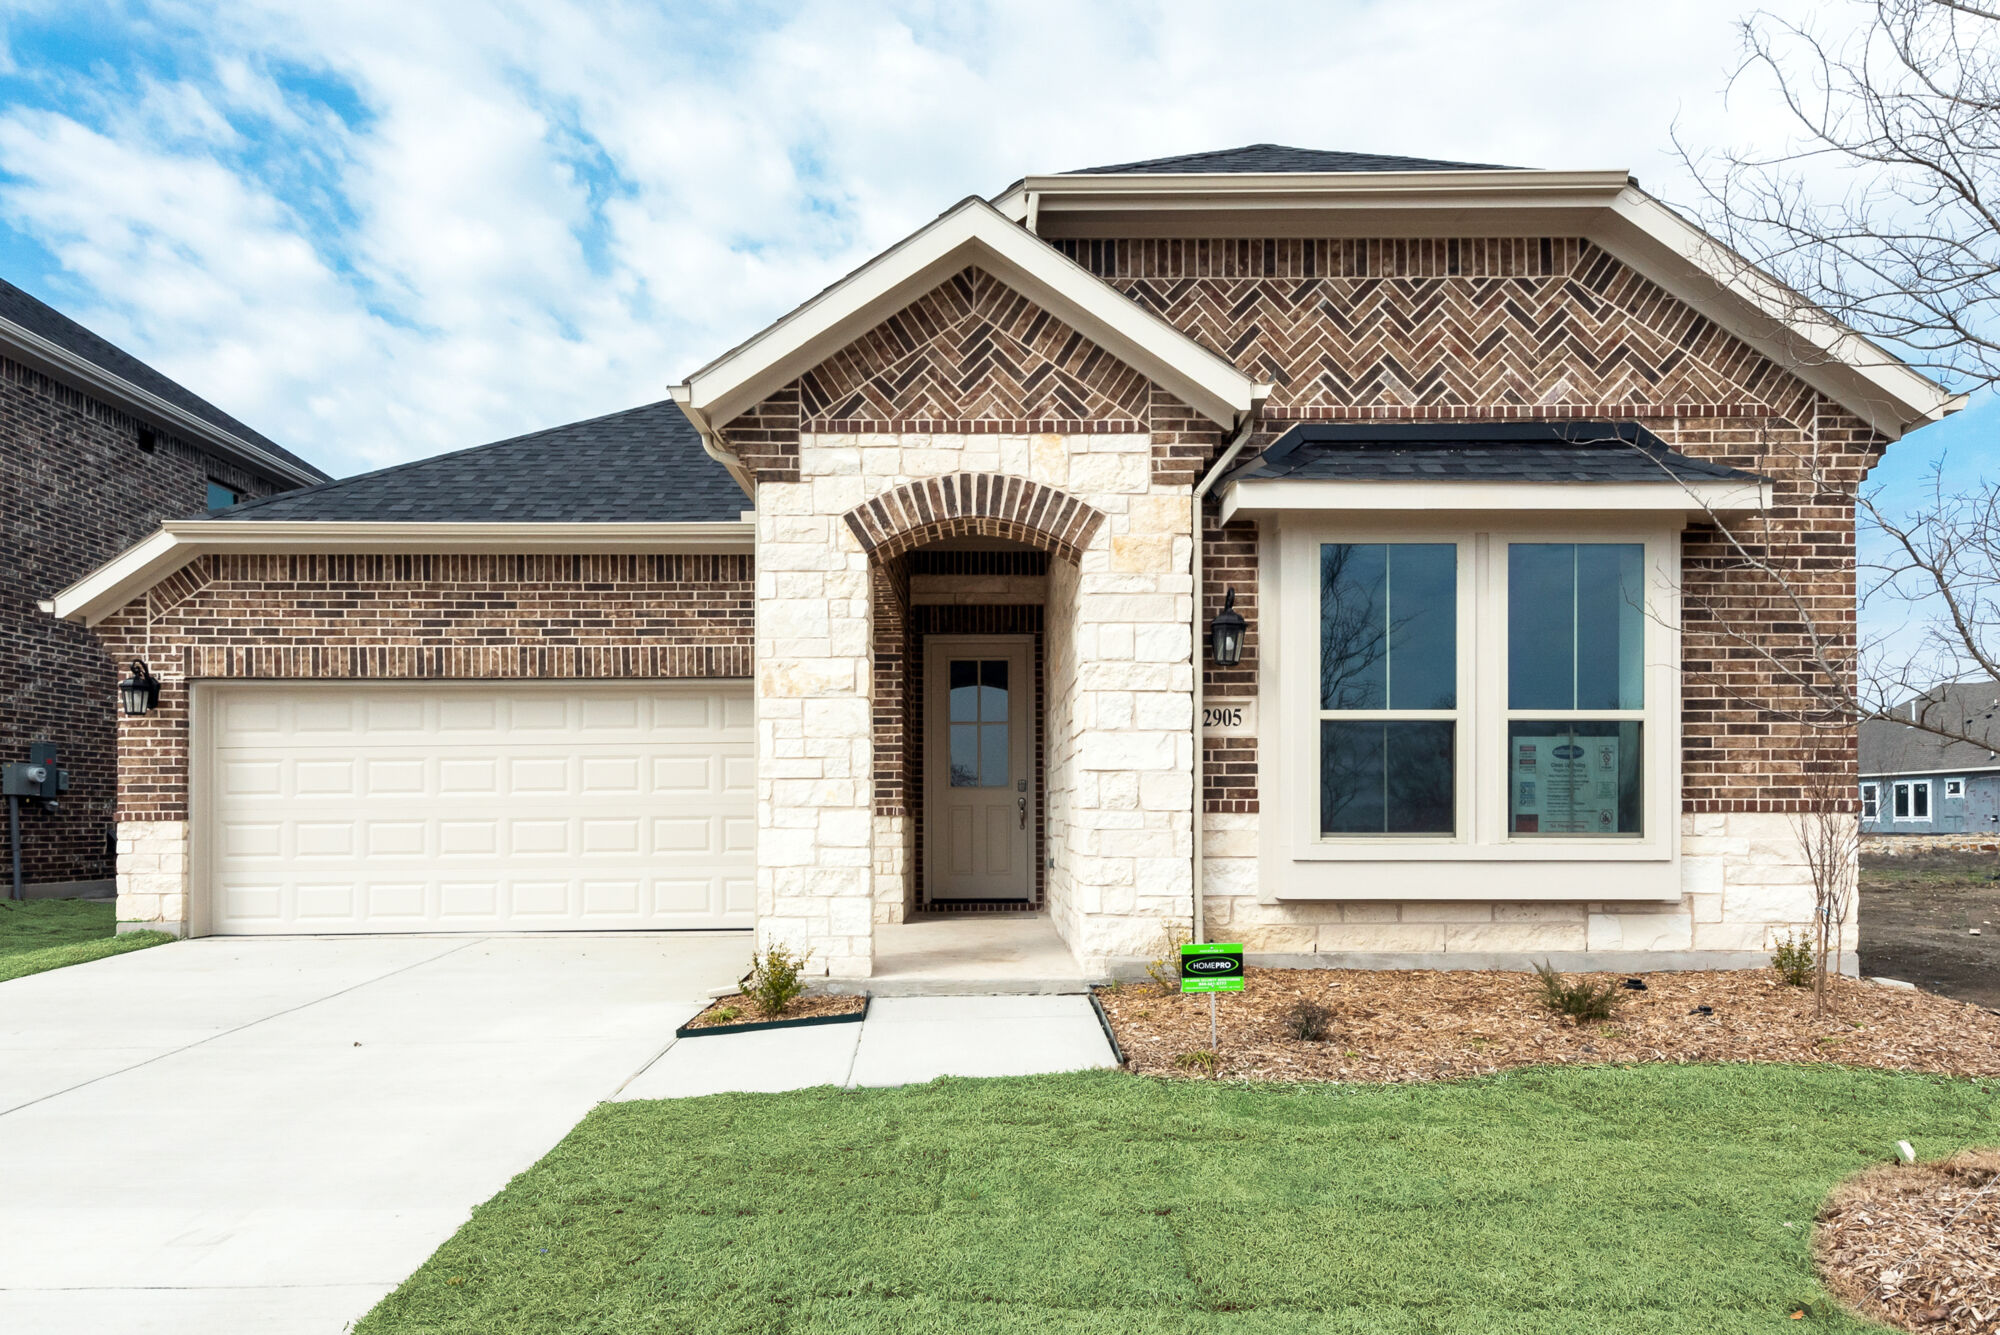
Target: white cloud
550, 210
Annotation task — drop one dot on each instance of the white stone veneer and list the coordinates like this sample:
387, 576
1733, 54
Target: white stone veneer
1744, 885
1118, 750
153, 875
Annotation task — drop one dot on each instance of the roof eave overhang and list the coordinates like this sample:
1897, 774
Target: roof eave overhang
180, 542
1051, 197
972, 233
39, 352
1718, 497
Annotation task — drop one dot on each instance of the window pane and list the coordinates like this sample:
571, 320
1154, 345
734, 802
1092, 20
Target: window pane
1920, 802
1388, 626
1541, 603
1574, 778
1576, 627
1423, 626
1353, 643
1386, 778
993, 755
1902, 807
964, 755
964, 690
1610, 626
993, 691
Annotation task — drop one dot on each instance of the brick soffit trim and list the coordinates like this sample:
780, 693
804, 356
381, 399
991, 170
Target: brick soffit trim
974, 504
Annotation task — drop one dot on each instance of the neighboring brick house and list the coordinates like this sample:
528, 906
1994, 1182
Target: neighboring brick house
1462, 441
96, 448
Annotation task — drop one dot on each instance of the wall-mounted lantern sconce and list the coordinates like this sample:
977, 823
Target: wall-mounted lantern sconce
140, 691
1225, 633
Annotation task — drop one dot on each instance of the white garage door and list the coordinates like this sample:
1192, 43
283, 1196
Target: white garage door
534, 808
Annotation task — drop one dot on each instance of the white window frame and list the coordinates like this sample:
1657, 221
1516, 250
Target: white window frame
1301, 863
1871, 801
1907, 788
1954, 788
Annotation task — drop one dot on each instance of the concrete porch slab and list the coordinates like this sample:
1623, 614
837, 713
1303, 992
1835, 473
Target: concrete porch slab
955, 955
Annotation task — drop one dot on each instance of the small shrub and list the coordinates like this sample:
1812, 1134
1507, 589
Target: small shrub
1580, 999
1309, 1022
1166, 970
724, 1014
1793, 959
775, 981
1201, 1059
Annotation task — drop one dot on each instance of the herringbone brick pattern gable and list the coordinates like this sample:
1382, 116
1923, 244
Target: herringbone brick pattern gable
972, 349
1346, 327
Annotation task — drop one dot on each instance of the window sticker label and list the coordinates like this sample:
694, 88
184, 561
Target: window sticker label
1566, 788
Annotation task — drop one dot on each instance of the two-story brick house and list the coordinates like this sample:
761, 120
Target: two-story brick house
96, 448
1460, 441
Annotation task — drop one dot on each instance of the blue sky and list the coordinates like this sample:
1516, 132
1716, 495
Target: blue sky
378, 230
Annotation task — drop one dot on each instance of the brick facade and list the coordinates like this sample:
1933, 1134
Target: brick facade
77, 486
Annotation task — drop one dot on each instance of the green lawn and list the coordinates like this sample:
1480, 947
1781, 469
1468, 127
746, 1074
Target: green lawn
1655, 1198
42, 934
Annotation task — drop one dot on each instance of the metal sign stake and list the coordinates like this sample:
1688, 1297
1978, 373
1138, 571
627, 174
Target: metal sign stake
1212, 1043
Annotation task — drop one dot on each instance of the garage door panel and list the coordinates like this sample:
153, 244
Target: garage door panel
348, 808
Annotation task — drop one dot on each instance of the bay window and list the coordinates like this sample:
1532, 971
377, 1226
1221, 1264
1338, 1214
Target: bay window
1439, 693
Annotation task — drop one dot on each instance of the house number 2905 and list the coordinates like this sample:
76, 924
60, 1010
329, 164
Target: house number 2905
1229, 716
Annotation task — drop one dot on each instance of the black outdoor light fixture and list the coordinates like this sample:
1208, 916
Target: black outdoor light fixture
140, 691
1225, 633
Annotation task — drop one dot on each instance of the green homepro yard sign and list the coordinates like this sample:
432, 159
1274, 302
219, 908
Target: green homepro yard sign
1212, 967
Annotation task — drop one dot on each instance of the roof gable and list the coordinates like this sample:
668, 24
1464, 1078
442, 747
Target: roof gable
973, 234
973, 348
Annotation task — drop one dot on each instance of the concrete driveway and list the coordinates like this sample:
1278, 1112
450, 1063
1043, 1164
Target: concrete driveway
269, 1134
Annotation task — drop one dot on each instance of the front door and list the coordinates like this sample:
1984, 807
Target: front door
979, 702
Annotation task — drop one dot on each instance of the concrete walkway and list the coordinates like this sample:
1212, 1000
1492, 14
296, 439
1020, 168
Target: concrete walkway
904, 1040
268, 1135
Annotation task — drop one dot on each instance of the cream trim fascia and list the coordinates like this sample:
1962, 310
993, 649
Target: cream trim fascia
151, 405
971, 233
1261, 495
181, 541
1869, 381
1339, 190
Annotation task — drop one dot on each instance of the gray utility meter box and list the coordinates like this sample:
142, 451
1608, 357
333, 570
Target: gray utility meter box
39, 778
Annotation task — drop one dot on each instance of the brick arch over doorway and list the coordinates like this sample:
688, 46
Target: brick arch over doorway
901, 527
968, 505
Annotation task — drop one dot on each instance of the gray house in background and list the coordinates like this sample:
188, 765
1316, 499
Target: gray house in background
1915, 782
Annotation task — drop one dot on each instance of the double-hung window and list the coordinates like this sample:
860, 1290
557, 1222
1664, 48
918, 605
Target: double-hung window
1871, 806
1388, 688
1576, 688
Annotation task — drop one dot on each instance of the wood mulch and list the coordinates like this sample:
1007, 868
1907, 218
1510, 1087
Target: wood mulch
1392, 1026
1918, 1246
804, 1008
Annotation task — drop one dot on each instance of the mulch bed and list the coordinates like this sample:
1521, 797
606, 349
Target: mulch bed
1427, 1025
1918, 1246
805, 1008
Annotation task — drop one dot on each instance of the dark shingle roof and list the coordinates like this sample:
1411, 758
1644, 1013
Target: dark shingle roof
1897, 748
1279, 158
42, 319
643, 465
1481, 452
